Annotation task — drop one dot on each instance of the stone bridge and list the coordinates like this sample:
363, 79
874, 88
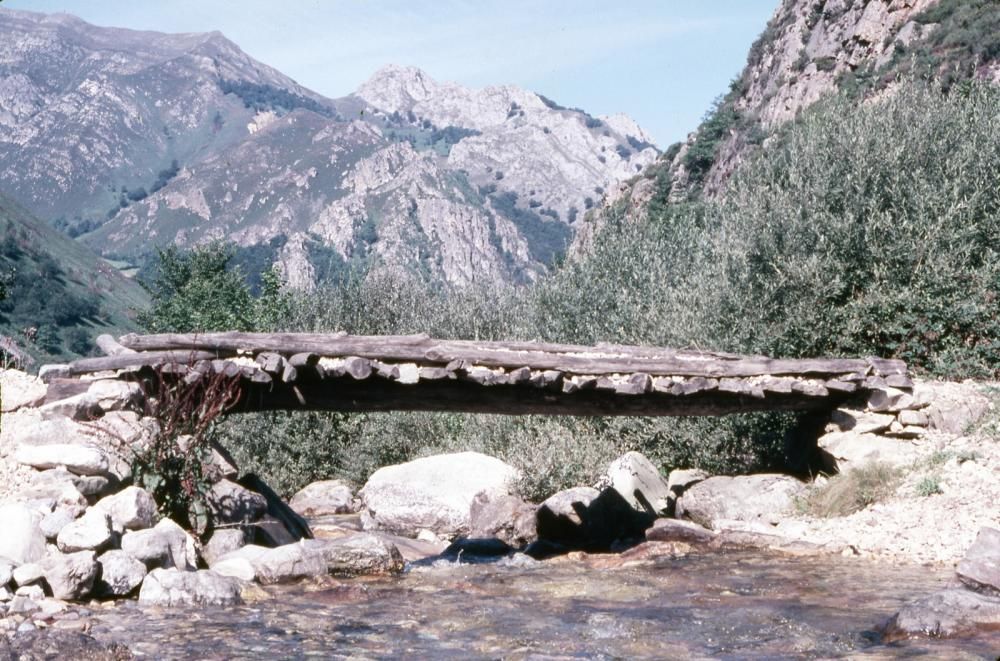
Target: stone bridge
341, 372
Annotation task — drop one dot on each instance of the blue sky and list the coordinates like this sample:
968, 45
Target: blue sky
660, 61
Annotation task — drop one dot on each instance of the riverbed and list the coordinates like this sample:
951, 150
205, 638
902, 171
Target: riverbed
725, 606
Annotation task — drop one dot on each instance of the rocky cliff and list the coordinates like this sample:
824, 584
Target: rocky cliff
809, 49
132, 140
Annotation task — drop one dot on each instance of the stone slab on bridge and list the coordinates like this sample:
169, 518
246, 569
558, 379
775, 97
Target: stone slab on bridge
340, 372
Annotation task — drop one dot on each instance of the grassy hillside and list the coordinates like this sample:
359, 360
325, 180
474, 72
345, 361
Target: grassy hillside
59, 294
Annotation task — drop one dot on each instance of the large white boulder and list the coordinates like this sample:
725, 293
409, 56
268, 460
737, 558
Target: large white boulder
432, 493
22, 539
79, 459
761, 498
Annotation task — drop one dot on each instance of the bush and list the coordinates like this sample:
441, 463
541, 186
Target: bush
854, 490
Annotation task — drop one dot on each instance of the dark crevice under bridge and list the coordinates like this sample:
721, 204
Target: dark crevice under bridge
341, 372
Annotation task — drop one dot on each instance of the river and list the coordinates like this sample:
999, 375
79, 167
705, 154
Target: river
720, 606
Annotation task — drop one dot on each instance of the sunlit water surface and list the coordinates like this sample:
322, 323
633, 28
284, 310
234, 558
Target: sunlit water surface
733, 606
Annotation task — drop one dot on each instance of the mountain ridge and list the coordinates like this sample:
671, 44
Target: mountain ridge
197, 141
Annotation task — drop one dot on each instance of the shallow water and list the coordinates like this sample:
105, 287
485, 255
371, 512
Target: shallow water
732, 606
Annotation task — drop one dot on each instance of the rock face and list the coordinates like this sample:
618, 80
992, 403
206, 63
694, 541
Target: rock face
468, 185
433, 493
761, 498
172, 587
980, 568
323, 499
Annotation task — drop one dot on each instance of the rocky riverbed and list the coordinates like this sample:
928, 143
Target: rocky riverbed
441, 557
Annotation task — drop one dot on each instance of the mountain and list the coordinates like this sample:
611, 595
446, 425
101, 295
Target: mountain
809, 49
135, 139
58, 294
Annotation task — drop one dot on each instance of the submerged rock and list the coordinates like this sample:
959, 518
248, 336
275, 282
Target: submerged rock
944, 614
173, 587
433, 493
678, 530
57, 644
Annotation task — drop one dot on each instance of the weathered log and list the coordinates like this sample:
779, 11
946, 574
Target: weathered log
359, 368
435, 373
139, 359
841, 386
511, 355
301, 360
385, 370
110, 346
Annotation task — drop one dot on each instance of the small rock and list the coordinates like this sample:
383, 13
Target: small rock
6, 571
22, 540
362, 554
505, 517
28, 574
24, 604
120, 573
639, 482
324, 498
82, 407
20, 390
946, 613
433, 492
287, 563
763, 498
240, 568
980, 568
915, 418
889, 399
232, 503
5, 594
93, 485
677, 530
58, 644
92, 531
79, 459
472, 549
114, 395
172, 587
849, 450
33, 592
164, 545
860, 422
70, 576
680, 479
53, 522
223, 541
130, 509
47, 373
